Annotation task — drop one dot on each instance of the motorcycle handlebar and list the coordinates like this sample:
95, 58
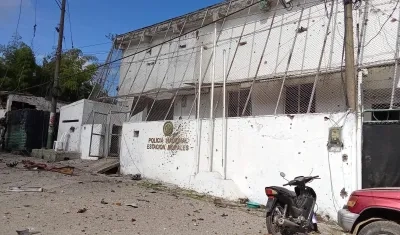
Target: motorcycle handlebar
310, 179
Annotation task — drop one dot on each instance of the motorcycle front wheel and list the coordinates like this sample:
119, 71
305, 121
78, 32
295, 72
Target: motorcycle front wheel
272, 221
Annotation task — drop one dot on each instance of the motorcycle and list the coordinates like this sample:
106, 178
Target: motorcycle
291, 212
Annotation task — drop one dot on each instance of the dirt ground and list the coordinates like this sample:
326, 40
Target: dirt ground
157, 209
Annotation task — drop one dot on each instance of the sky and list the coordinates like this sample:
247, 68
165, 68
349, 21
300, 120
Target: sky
87, 22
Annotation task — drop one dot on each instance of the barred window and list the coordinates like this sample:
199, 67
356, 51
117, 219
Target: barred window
298, 97
237, 101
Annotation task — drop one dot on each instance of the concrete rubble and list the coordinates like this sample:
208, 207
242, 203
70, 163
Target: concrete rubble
90, 203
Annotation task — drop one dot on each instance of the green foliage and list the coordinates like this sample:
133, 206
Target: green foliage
19, 71
76, 73
17, 65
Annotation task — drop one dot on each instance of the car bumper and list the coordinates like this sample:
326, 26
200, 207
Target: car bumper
346, 219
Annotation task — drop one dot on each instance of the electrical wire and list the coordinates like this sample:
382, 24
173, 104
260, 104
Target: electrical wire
38, 85
390, 16
70, 25
58, 4
173, 38
169, 40
19, 17
34, 26
16, 36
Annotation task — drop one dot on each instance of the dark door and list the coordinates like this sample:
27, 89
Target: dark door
115, 140
381, 155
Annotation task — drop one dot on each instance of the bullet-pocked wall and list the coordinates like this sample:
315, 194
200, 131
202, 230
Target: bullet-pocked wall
242, 36
258, 149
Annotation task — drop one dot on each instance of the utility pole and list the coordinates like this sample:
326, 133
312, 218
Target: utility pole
350, 76
55, 90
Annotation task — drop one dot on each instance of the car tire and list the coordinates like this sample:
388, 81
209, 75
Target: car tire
381, 227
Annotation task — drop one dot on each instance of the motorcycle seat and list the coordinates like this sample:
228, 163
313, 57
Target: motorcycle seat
285, 191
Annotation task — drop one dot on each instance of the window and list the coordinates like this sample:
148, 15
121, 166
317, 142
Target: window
159, 111
237, 101
298, 97
382, 115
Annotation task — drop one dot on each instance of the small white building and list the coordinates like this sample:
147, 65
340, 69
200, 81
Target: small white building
90, 128
225, 98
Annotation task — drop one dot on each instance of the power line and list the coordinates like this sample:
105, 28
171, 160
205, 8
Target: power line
34, 26
390, 16
172, 39
16, 34
58, 4
92, 45
69, 21
19, 17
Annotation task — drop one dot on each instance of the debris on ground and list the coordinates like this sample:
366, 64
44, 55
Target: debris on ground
224, 215
83, 210
118, 204
133, 220
253, 205
103, 202
12, 164
218, 203
132, 205
24, 189
136, 177
243, 200
26, 232
30, 165
143, 200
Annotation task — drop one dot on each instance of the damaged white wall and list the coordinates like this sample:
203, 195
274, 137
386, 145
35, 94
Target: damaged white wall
258, 149
183, 63
80, 113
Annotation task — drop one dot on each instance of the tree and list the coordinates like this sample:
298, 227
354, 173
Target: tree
19, 72
76, 73
17, 66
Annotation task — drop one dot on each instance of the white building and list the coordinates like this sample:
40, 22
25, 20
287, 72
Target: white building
90, 128
280, 116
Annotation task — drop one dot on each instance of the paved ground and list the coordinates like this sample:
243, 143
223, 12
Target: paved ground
160, 210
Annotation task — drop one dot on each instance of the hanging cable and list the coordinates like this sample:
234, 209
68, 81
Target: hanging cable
19, 17
58, 4
169, 40
390, 16
70, 26
34, 26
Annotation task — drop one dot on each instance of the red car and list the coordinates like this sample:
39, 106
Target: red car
372, 212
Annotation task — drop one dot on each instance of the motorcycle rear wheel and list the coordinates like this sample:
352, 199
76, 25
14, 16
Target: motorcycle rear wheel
272, 224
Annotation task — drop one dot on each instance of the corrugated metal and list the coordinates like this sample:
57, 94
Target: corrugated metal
27, 129
16, 137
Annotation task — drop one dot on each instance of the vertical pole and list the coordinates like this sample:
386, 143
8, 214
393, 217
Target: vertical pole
212, 100
320, 61
258, 67
91, 134
396, 62
224, 139
305, 41
56, 74
359, 127
198, 140
333, 34
288, 62
349, 55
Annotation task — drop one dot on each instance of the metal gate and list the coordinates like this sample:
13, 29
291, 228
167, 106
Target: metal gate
381, 154
97, 134
116, 119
